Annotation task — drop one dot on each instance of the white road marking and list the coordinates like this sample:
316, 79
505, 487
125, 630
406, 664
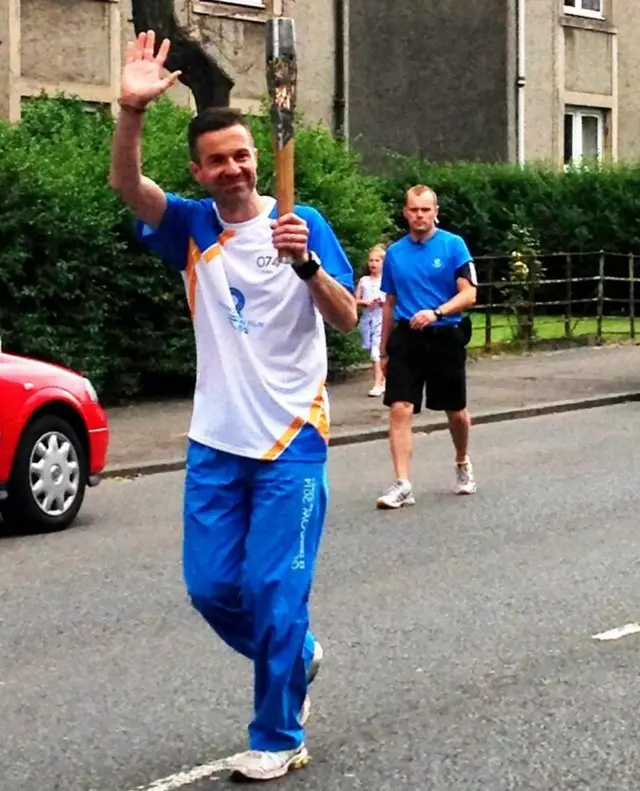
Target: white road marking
617, 633
182, 779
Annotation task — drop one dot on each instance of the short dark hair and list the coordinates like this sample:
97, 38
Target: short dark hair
211, 119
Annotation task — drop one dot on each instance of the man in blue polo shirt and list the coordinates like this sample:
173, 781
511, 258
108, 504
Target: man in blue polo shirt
429, 279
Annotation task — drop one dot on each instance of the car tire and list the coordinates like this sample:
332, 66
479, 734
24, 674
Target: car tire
40, 458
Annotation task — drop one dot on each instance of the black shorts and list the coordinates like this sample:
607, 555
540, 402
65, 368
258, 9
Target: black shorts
433, 359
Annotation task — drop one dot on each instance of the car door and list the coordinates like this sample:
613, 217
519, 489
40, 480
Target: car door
12, 398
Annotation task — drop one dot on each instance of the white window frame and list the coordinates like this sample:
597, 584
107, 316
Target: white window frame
578, 10
578, 114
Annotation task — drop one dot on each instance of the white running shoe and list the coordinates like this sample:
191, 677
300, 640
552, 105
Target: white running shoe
465, 481
397, 495
318, 655
258, 765
263, 765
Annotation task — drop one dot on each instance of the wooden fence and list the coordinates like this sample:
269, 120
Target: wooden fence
578, 294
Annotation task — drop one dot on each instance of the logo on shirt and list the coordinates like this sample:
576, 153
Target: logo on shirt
239, 299
236, 316
236, 319
437, 263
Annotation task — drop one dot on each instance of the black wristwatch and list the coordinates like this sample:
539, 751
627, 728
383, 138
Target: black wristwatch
307, 270
439, 313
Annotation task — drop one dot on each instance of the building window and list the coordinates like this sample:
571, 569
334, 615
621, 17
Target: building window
583, 135
590, 8
244, 3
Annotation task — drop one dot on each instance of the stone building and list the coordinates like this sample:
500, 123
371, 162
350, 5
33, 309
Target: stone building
77, 46
494, 80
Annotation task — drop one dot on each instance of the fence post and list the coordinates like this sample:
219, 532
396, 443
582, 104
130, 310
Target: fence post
600, 297
489, 307
632, 298
568, 297
532, 310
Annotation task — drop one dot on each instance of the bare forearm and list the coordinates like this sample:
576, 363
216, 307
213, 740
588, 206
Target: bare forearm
463, 300
126, 173
335, 303
143, 196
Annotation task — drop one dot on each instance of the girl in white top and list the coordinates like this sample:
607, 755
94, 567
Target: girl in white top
371, 299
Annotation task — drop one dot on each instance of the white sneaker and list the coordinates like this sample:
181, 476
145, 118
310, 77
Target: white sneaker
397, 495
255, 765
465, 481
376, 391
318, 655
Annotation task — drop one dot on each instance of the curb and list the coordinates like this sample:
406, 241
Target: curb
370, 435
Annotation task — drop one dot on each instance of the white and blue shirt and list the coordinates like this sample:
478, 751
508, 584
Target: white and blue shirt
260, 340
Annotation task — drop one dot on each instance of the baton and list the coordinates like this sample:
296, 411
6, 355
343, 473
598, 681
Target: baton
282, 76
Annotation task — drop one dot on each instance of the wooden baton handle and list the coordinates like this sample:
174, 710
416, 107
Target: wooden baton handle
285, 178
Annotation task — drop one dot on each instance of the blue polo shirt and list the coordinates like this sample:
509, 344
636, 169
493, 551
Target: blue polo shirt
423, 275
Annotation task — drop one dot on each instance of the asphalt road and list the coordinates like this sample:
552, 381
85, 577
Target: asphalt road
458, 634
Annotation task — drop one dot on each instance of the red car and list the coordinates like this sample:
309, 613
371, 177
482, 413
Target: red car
54, 436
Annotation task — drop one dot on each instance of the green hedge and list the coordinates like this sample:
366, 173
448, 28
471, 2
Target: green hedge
75, 286
580, 210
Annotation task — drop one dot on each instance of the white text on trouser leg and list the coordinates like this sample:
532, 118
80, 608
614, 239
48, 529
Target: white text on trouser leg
308, 503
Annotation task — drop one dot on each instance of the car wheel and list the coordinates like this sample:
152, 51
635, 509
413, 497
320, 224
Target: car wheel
48, 479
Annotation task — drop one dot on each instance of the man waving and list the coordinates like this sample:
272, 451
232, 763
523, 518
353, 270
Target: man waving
255, 492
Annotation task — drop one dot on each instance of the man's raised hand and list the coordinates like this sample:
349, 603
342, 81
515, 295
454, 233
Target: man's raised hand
142, 79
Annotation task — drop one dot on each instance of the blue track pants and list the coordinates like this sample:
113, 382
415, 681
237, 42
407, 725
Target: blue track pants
251, 535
